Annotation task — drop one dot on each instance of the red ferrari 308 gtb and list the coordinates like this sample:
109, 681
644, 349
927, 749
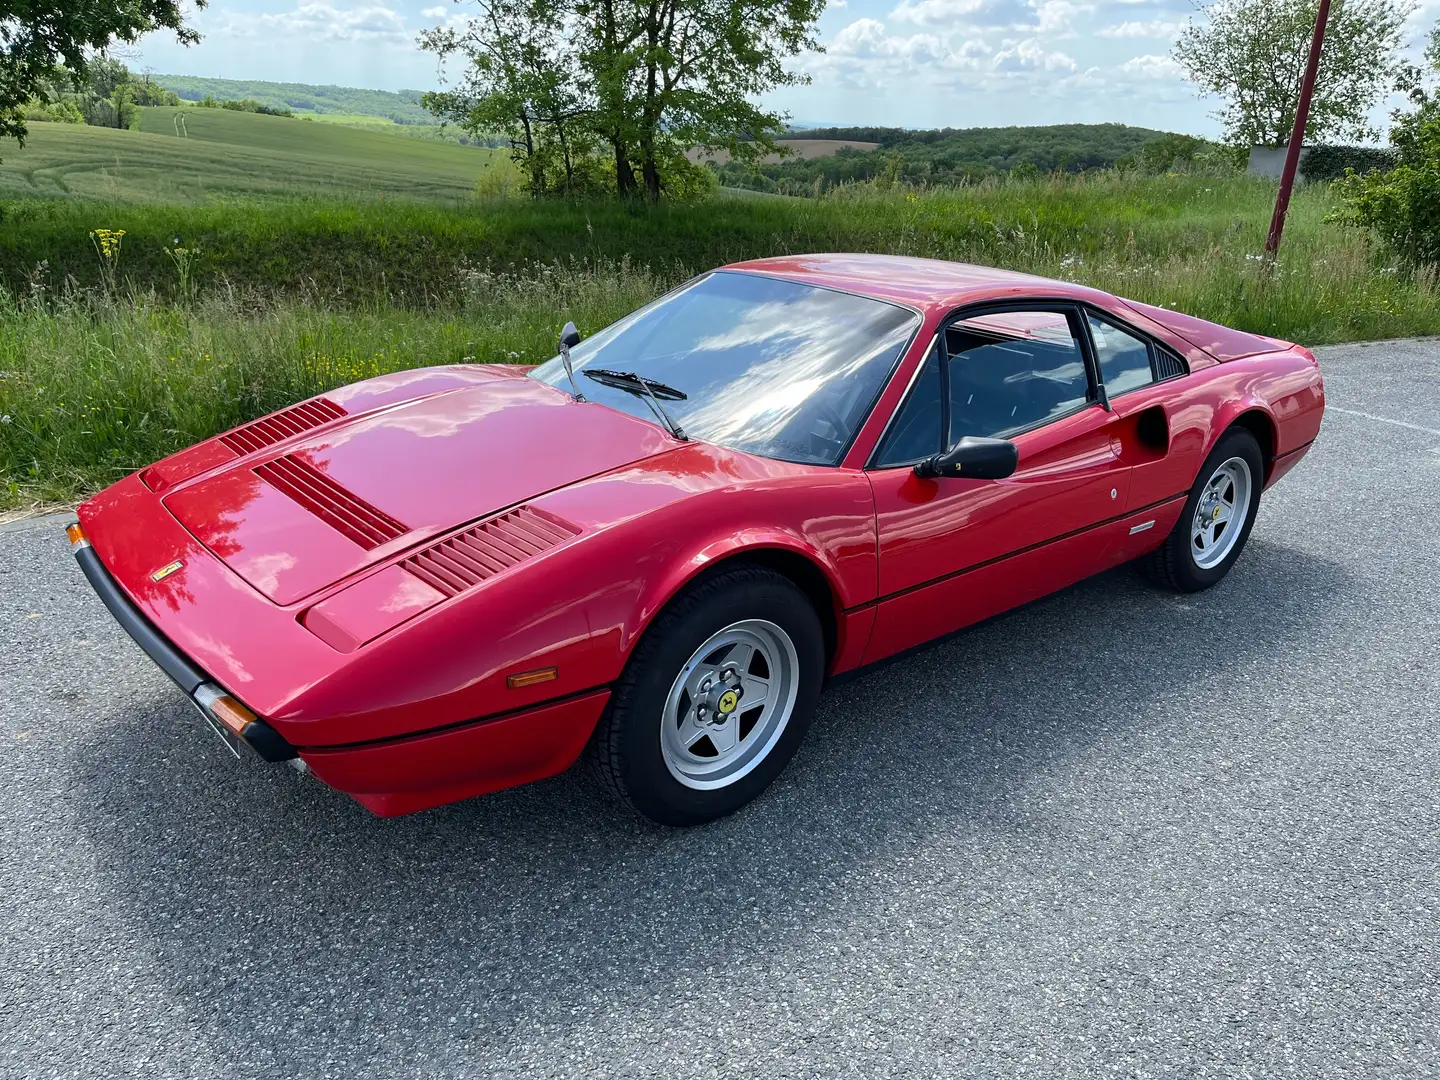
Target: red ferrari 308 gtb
661, 543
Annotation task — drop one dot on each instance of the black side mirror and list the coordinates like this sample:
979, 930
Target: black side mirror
569, 337
973, 459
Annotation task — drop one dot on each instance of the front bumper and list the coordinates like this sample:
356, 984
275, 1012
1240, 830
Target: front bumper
197, 685
388, 776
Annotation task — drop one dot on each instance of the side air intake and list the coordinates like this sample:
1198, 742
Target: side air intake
345, 513
466, 559
269, 430
1167, 364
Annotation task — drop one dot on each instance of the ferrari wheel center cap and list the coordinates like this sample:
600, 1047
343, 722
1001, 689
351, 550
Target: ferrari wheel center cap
728, 700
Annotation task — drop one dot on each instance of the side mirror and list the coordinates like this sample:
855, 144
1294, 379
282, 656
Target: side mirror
569, 337
973, 459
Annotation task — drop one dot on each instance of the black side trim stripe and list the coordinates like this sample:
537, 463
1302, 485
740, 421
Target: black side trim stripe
389, 740
1018, 551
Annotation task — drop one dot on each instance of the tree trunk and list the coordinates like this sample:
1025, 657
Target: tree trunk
624, 175
649, 170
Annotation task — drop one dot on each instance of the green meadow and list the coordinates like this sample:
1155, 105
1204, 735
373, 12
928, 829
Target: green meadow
191, 155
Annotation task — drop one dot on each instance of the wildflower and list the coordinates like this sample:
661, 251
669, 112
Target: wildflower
5, 419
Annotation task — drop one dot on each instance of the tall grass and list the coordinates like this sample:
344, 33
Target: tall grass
93, 387
289, 298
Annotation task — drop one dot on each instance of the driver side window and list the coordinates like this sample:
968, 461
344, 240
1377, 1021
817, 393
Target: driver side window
1012, 370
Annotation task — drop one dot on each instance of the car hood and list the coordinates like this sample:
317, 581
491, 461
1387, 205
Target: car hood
296, 518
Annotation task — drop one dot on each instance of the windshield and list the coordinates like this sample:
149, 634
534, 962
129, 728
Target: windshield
767, 366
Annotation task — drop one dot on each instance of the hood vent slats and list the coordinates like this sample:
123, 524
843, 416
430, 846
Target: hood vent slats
482, 551
347, 514
269, 430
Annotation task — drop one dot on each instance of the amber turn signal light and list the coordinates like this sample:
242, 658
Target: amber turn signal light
224, 708
530, 678
76, 534
231, 713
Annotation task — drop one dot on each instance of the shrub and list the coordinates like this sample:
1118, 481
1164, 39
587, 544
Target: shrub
1332, 162
1403, 205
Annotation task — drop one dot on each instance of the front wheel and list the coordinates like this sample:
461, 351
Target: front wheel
715, 698
1217, 518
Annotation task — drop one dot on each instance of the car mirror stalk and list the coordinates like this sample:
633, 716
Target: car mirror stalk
569, 338
972, 458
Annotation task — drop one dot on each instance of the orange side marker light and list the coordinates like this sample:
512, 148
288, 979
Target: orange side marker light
531, 678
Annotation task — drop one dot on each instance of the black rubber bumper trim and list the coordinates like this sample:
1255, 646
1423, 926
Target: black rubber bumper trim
259, 736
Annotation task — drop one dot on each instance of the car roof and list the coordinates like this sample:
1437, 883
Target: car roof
924, 283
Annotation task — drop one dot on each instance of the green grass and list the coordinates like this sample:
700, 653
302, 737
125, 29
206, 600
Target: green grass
92, 388
296, 295
229, 154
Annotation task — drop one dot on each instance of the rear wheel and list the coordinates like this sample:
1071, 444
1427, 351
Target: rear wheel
715, 699
1217, 518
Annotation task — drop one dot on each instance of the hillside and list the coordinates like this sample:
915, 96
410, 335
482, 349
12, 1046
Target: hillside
944, 155
188, 155
402, 108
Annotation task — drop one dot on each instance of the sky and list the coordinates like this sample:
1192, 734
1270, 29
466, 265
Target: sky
901, 63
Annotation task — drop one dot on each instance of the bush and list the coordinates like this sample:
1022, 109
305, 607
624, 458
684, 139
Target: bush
57, 112
1332, 162
1403, 205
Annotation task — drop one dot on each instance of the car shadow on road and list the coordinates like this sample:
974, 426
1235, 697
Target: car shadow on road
279, 913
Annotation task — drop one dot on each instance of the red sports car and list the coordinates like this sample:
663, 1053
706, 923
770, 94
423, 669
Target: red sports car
656, 547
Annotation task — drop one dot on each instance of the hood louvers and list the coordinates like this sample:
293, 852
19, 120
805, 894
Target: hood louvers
466, 559
269, 430
342, 511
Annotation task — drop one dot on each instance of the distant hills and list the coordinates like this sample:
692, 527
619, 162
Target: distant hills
400, 107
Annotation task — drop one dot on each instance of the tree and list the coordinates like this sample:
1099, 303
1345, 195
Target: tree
525, 79
650, 78
39, 36
1402, 205
1252, 54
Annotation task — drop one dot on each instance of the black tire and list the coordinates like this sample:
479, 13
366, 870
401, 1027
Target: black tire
625, 751
1173, 564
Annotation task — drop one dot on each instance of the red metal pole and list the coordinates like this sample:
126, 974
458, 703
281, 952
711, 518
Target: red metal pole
1297, 135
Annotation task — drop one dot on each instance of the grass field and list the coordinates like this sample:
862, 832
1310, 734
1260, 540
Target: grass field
289, 296
224, 153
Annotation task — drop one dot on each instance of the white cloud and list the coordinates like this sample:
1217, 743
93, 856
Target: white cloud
1054, 16
320, 21
435, 12
1152, 67
1151, 28
867, 40
974, 13
1030, 55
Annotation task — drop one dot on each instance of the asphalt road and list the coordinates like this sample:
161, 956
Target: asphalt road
1116, 833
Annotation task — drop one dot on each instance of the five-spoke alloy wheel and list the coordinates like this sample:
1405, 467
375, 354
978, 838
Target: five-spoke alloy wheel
1217, 517
729, 704
715, 699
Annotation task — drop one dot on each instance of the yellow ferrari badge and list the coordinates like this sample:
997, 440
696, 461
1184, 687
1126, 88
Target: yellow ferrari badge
166, 570
728, 701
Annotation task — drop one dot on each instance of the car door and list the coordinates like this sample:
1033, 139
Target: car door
952, 550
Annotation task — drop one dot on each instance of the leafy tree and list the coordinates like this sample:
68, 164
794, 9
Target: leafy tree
38, 36
1402, 205
525, 79
1252, 53
650, 78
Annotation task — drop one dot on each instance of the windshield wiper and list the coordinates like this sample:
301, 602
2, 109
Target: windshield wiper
651, 390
